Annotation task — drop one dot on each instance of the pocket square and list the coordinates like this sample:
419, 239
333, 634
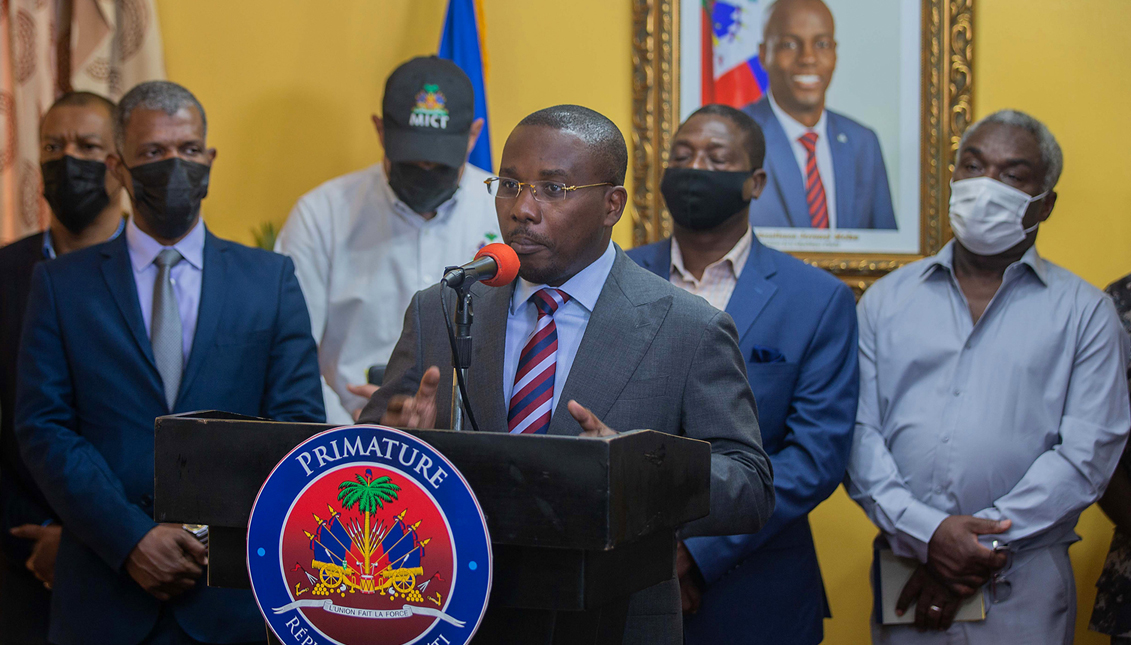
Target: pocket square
761, 354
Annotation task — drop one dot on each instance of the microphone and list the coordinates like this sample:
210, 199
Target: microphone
494, 265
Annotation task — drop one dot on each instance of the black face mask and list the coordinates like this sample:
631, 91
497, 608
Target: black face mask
76, 190
423, 190
703, 199
167, 194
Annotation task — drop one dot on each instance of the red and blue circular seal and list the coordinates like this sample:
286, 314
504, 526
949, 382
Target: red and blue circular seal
366, 535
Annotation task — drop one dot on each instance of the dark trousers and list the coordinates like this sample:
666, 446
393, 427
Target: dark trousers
24, 605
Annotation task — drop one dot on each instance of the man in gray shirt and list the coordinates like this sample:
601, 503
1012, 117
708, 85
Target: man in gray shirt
993, 404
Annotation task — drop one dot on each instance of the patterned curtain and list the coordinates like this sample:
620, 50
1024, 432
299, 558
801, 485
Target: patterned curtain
50, 47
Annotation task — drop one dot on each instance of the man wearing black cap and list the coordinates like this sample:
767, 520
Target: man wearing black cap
363, 243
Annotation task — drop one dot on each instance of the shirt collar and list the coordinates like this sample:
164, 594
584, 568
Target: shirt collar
144, 249
584, 288
944, 259
49, 241
736, 257
794, 128
48, 245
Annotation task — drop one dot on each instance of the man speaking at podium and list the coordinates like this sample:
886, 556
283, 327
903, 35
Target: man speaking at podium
585, 341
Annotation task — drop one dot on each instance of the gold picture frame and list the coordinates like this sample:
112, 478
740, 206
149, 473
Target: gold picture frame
946, 109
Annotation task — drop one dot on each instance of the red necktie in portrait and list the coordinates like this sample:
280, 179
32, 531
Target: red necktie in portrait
814, 187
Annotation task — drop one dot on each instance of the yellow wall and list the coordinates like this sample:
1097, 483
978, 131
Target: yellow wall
289, 86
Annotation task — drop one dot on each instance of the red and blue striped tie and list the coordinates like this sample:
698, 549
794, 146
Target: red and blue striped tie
533, 396
814, 187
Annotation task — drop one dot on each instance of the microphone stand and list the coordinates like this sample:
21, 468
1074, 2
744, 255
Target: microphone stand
461, 345
461, 355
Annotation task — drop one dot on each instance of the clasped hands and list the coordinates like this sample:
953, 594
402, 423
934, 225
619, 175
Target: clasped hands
167, 561
419, 410
957, 567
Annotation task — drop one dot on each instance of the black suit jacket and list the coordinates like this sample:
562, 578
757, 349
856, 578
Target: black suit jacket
21, 502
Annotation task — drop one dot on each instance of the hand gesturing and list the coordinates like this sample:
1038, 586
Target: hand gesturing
417, 411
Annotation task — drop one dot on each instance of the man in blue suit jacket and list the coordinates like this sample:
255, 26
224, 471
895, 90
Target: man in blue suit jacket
797, 332
847, 186
75, 135
166, 318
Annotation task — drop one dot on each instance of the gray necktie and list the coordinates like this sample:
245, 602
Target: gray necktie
165, 327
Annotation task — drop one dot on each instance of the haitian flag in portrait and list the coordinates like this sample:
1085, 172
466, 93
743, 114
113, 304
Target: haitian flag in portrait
731, 31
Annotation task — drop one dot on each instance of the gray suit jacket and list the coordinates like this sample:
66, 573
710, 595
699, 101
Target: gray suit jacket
653, 356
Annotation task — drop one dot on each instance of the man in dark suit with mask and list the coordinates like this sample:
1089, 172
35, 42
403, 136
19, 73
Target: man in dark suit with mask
797, 332
585, 340
75, 136
165, 319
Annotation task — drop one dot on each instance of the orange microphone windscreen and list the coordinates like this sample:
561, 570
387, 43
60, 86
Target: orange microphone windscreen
507, 260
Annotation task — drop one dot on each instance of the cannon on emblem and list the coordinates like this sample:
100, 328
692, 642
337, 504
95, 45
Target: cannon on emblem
390, 564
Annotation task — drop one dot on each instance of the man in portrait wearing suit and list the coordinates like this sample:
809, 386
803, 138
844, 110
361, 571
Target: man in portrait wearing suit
797, 332
585, 340
825, 171
75, 136
167, 318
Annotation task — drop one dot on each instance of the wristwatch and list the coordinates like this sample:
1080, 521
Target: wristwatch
198, 531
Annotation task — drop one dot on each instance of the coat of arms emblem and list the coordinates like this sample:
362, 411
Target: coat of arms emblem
367, 535
431, 108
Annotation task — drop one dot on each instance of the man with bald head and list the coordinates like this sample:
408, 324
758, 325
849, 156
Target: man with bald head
993, 406
166, 318
629, 349
825, 171
75, 136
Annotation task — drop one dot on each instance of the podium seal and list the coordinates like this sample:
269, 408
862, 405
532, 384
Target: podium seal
366, 535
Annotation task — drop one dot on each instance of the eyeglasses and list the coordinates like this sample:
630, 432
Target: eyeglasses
543, 191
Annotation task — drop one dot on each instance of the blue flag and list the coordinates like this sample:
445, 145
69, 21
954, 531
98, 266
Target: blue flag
462, 43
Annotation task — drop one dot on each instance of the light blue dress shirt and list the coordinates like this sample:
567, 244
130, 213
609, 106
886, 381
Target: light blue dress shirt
571, 320
186, 276
1022, 416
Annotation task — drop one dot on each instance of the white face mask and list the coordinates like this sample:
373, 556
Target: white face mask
986, 214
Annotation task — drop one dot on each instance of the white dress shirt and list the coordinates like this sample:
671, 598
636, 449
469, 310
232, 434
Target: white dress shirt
360, 254
719, 278
794, 130
185, 275
571, 319
1020, 416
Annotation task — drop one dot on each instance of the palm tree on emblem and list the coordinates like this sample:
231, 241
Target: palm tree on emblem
367, 494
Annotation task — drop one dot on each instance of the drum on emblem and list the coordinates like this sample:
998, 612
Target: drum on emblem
366, 535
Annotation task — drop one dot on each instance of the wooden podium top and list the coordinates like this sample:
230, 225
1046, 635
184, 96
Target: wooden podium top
540, 491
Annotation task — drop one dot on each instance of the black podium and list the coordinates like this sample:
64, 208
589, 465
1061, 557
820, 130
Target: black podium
577, 525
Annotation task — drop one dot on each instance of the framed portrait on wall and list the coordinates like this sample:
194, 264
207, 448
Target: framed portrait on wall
858, 186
